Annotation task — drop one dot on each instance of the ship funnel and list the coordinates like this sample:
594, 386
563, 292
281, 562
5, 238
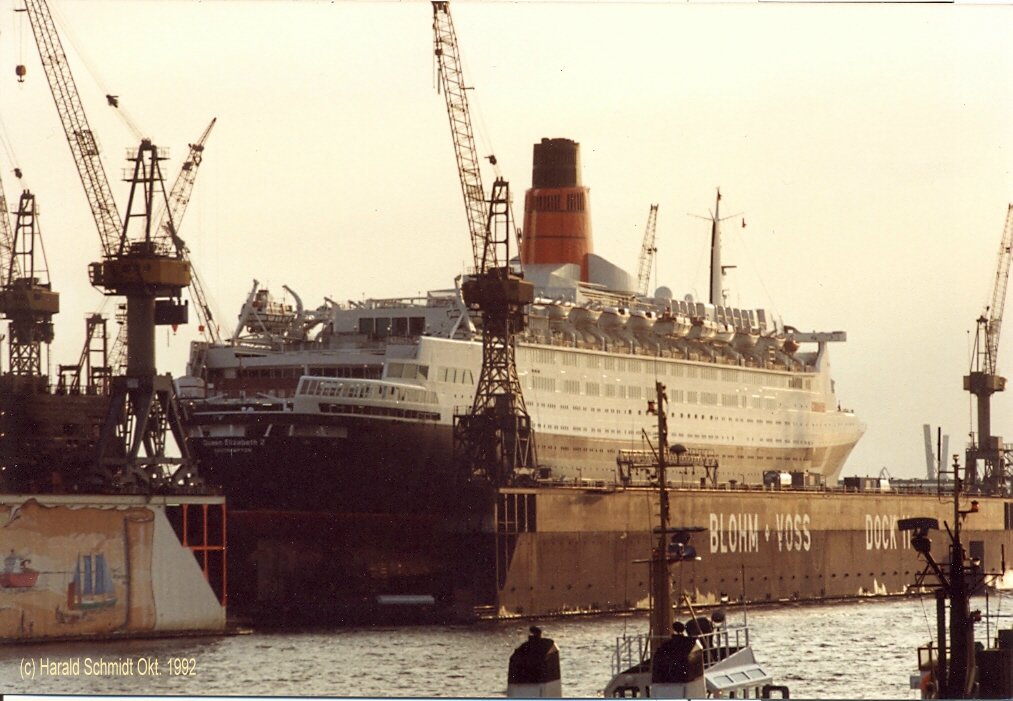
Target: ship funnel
557, 214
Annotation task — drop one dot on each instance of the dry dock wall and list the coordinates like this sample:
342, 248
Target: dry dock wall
565, 550
102, 566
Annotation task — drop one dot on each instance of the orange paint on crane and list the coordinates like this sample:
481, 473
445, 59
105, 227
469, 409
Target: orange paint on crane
557, 215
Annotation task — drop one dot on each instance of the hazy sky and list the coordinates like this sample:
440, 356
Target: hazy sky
868, 146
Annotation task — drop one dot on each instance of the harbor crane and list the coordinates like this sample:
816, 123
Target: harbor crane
179, 197
647, 252
494, 439
983, 379
27, 298
140, 263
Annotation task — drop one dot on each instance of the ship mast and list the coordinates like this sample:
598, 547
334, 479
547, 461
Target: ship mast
716, 271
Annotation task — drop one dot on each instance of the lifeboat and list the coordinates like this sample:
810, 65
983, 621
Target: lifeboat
584, 317
702, 329
724, 333
640, 322
769, 341
745, 340
613, 320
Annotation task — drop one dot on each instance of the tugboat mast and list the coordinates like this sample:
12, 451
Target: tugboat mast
954, 668
661, 581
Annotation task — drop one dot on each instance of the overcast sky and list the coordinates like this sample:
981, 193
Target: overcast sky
868, 147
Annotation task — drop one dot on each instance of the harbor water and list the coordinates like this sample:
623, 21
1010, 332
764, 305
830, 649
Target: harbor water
863, 649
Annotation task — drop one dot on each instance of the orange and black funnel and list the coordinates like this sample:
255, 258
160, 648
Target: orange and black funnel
557, 213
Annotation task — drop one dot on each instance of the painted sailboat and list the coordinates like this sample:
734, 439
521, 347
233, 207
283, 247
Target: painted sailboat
92, 586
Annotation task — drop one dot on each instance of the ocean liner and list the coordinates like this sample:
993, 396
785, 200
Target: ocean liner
330, 431
366, 392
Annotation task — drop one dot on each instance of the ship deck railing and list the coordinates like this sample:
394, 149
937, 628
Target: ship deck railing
914, 487
634, 650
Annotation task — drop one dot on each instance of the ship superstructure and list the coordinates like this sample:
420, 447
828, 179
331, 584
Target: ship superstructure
320, 384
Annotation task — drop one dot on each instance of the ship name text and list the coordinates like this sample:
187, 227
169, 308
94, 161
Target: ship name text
740, 533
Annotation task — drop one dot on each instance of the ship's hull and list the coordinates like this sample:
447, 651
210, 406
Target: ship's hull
560, 550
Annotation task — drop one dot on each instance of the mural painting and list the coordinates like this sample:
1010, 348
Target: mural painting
73, 571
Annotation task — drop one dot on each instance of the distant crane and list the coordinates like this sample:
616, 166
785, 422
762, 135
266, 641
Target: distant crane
647, 252
179, 197
141, 263
26, 295
93, 365
494, 439
983, 379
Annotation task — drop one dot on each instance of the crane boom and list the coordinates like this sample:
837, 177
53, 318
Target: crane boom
647, 251
451, 80
179, 197
995, 310
80, 137
8, 261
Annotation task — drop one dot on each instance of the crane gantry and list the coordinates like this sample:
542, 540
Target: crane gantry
983, 379
494, 439
27, 298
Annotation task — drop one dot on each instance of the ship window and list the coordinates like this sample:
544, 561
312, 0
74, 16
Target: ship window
366, 326
467, 377
382, 327
395, 369
399, 326
422, 372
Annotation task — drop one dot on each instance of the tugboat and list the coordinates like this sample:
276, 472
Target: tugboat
704, 657
17, 574
958, 668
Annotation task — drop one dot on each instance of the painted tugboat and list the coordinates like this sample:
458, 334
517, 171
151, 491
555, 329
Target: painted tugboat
17, 574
